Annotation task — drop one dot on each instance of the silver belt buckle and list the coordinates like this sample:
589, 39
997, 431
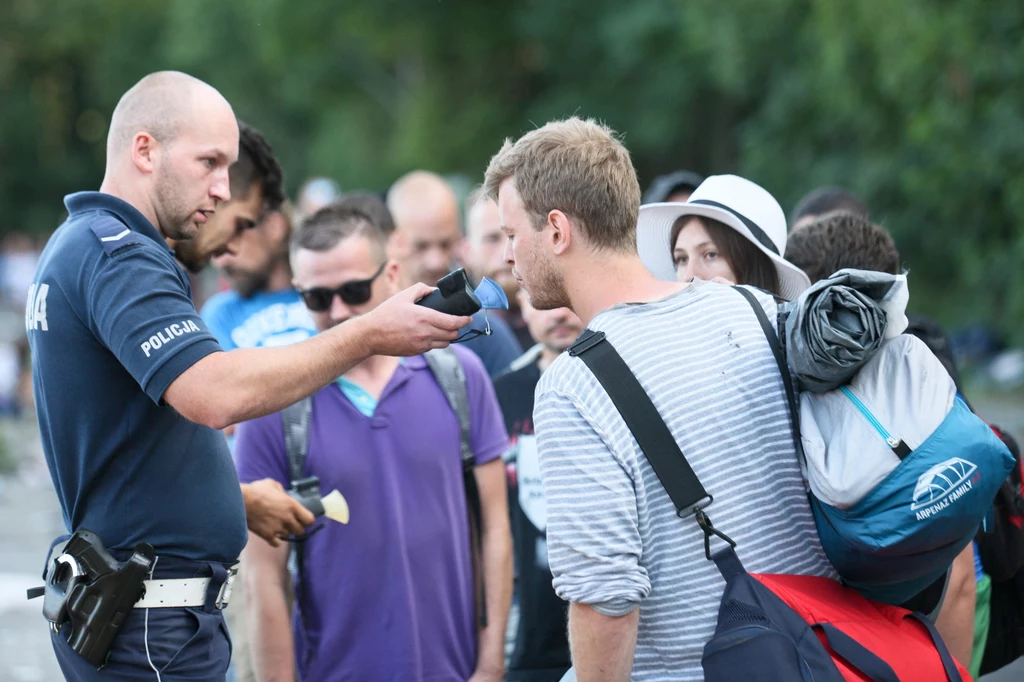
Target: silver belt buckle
225, 590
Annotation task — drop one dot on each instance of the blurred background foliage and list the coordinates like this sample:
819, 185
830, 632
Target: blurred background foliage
916, 105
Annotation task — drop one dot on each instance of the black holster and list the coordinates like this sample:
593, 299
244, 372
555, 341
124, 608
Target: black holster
94, 592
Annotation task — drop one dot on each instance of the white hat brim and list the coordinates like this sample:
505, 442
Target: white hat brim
654, 231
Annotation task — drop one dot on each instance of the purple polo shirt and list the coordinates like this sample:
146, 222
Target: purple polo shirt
388, 596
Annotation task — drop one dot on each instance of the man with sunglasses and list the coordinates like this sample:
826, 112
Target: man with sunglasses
390, 595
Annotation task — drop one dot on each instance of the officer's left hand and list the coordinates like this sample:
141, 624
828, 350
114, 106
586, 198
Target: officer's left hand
271, 513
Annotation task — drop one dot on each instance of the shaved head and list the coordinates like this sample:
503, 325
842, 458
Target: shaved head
160, 104
422, 193
427, 231
172, 138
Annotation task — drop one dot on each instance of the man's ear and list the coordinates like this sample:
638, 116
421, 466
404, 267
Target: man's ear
275, 225
561, 232
398, 245
392, 272
145, 152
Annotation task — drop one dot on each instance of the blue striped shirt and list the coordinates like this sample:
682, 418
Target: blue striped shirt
614, 540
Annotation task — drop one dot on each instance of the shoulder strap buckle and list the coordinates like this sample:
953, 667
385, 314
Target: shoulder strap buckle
587, 340
709, 529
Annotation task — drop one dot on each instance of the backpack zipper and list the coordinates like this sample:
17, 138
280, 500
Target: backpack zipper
889, 439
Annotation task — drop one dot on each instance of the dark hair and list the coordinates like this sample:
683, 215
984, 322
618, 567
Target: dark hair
824, 200
372, 204
331, 224
256, 164
750, 265
842, 240
664, 186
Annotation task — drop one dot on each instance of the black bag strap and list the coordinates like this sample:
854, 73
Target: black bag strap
651, 433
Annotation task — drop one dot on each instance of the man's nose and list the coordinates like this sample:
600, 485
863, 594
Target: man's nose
507, 255
339, 310
221, 188
224, 259
436, 259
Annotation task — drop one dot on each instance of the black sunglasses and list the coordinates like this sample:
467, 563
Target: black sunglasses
357, 292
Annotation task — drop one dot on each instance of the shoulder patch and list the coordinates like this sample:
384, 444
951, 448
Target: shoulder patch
113, 234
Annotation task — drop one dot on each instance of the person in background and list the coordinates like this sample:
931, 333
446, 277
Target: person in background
314, 194
425, 244
823, 200
372, 204
676, 186
484, 257
262, 308
731, 230
541, 652
839, 240
389, 596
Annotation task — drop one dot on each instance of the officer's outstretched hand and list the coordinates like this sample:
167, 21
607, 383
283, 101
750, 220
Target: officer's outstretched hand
271, 513
399, 327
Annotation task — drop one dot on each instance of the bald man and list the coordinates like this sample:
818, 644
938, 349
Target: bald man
426, 243
484, 256
131, 389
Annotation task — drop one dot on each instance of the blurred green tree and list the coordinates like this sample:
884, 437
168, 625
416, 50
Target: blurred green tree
917, 106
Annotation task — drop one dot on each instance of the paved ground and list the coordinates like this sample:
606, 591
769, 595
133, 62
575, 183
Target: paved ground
30, 518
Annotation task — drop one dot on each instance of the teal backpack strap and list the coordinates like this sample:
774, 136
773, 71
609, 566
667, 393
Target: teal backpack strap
451, 377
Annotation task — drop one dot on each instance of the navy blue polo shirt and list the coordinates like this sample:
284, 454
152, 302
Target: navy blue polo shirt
111, 324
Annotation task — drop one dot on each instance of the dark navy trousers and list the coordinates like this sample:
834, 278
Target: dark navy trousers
161, 645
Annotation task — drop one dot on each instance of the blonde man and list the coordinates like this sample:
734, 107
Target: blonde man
643, 598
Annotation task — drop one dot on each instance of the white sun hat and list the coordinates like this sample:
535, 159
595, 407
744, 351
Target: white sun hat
734, 201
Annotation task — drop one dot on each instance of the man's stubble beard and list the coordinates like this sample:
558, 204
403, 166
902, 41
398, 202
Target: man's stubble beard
248, 284
549, 292
174, 216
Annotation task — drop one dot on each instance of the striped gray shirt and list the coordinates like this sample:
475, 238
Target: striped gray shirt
614, 540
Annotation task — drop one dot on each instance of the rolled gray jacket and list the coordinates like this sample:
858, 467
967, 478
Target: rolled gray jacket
838, 324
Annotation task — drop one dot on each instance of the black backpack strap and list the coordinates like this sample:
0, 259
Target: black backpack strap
651, 433
451, 377
775, 344
296, 420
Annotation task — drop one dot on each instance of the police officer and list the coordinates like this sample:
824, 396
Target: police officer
131, 387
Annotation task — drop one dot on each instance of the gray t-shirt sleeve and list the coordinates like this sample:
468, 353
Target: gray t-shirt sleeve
594, 544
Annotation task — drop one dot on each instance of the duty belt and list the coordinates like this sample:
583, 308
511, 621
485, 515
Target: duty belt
90, 590
184, 592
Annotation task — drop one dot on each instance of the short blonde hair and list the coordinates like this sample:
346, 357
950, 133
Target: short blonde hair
580, 168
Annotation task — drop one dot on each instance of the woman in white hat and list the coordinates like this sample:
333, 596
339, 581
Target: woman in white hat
730, 228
